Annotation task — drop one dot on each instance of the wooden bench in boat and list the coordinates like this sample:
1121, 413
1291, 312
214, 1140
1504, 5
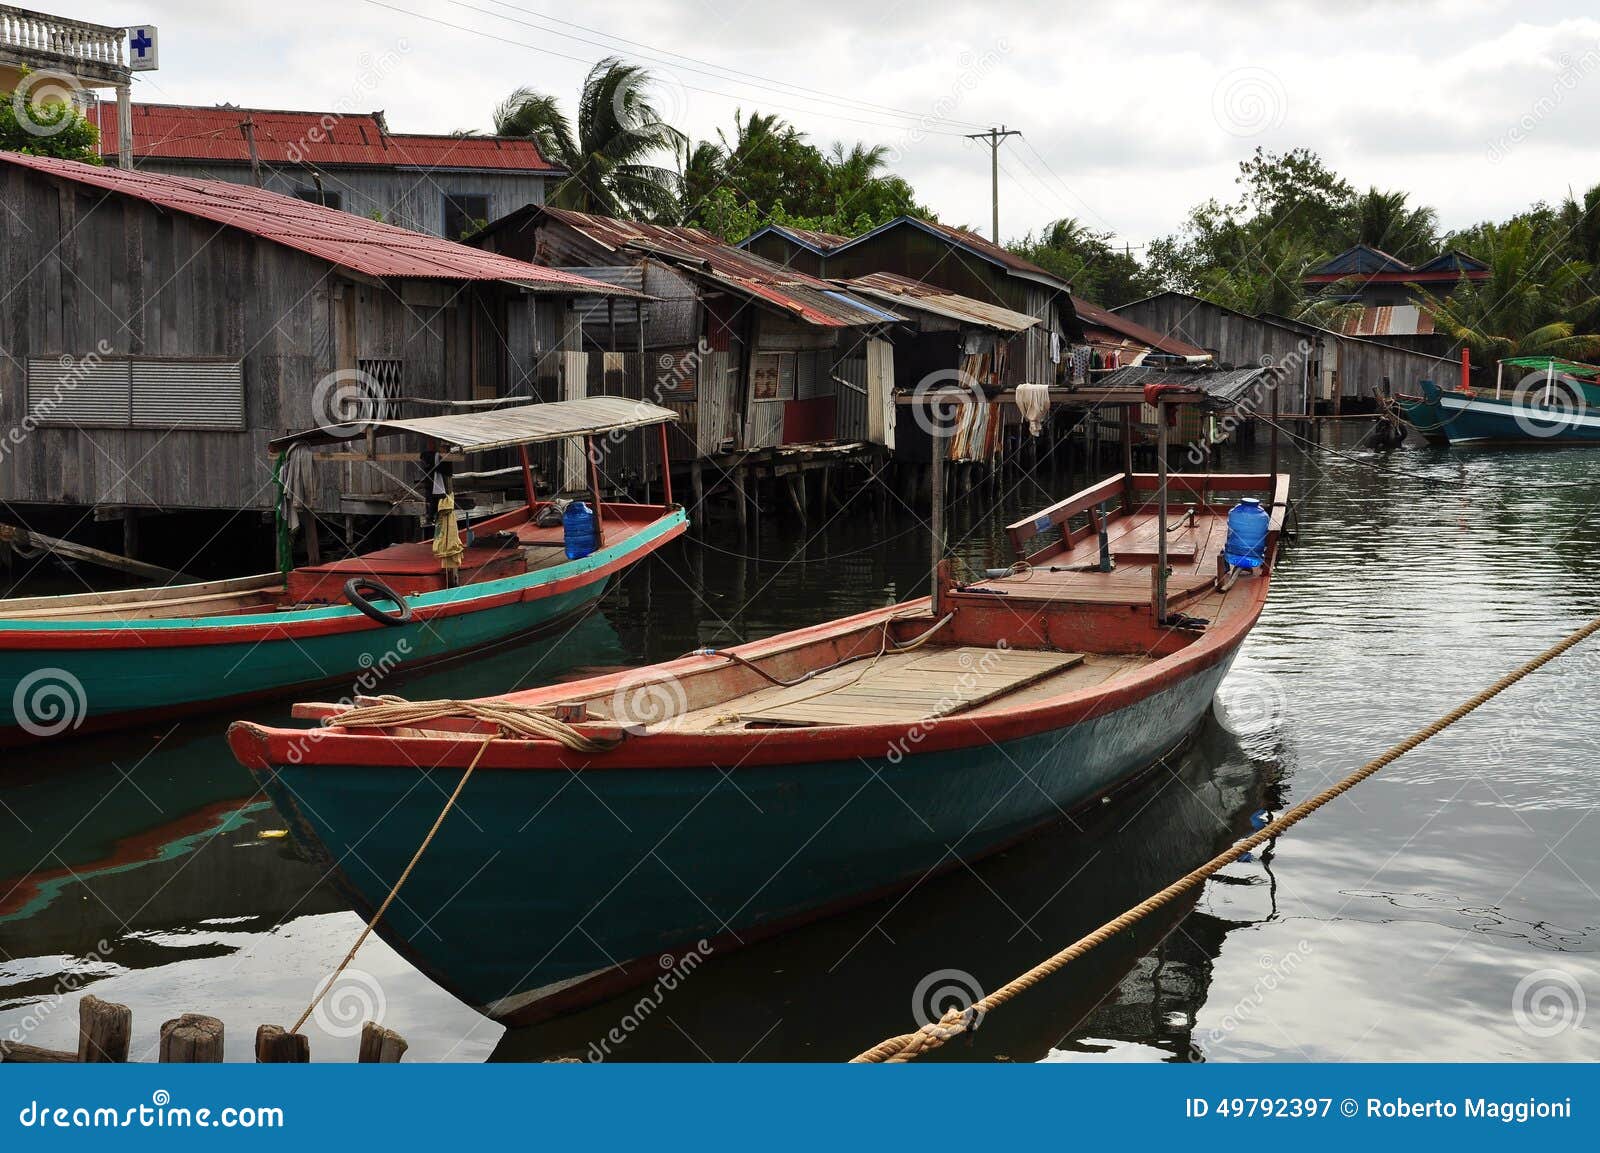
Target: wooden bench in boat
1130, 586
904, 687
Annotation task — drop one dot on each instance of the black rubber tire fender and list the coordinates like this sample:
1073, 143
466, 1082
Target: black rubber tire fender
355, 586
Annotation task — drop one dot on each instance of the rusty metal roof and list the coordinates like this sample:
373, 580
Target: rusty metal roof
811, 239
700, 254
970, 242
1390, 320
1095, 316
501, 427
328, 139
905, 293
342, 238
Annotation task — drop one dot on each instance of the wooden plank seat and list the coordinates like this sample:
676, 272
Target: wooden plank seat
1129, 586
906, 687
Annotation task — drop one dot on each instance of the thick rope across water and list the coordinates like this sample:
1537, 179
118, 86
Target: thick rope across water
510, 720
955, 1022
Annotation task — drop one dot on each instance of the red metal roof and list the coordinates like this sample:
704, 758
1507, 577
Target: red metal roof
698, 252
342, 238
328, 139
1094, 315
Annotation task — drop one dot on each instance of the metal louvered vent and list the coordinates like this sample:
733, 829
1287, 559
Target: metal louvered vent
137, 392
198, 394
88, 391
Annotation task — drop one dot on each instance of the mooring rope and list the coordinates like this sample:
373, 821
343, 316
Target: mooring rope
509, 719
395, 892
955, 1022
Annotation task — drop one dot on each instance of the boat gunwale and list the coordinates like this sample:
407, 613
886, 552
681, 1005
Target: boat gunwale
265, 748
324, 620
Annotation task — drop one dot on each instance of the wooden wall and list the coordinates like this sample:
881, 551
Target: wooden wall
83, 267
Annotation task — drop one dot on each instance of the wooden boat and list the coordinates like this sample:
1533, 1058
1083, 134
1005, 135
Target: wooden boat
1422, 416
1555, 402
99, 660
731, 793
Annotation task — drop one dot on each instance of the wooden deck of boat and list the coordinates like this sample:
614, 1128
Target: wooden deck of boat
908, 687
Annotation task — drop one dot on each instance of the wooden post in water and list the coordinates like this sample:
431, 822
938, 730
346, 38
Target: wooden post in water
104, 1031
275, 1046
380, 1046
1273, 460
191, 1039
1161, 511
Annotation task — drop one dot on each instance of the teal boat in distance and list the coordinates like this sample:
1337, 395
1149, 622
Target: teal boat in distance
102, 660
1553, 401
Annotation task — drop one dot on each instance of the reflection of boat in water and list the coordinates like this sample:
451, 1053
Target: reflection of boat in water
824, 991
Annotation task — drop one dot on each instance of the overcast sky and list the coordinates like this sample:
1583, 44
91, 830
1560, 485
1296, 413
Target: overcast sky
1132, 111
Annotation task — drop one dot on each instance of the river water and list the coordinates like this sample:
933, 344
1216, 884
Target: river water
1447, 909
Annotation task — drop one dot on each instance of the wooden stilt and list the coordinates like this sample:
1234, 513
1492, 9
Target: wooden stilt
191, 1039
104, 1031
275, 1046
380, 1046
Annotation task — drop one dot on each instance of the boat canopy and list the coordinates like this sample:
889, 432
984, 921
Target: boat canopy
500, 428
1570, 367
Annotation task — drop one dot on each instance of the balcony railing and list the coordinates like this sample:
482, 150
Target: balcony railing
94, 47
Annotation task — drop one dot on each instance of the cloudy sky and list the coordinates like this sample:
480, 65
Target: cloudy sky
1131, 111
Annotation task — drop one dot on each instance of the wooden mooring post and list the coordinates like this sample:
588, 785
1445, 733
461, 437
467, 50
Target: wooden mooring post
105, 1032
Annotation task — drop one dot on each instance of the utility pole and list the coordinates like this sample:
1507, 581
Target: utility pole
249, 130
994, 138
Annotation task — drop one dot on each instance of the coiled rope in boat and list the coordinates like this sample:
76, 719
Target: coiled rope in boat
509, 720
908, 1046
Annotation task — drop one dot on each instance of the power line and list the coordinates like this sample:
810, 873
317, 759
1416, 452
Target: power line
590, 63
760, 81
994, 137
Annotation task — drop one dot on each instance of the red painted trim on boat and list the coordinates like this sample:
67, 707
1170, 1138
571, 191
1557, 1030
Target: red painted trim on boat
139, 638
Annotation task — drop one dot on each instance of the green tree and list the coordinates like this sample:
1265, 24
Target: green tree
1533, 302
1086, 258
1386, 221
50, 129
609, 152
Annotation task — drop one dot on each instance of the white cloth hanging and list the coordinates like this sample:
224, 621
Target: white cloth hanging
1055, 348
1034, 402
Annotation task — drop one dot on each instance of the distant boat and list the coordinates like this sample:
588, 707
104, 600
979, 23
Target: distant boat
737, 792
1554, 402
100, 660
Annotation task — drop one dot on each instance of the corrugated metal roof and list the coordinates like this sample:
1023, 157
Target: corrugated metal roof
1093, 314
906, 293
1390, 320
1225, 388
343, 238
502, 427
707, 257
813, 239
331, 139
971, 242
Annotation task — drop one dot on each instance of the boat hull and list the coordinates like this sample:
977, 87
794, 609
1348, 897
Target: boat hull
538, 895
1471, 418
1424, 417
73, 678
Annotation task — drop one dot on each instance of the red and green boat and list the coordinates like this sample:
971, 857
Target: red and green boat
99, 660
728, 794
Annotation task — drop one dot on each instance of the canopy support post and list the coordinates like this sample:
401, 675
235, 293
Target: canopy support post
1499, 375
1161, 511
936, 549
1273, 461
527, 477
666, 468
594, 490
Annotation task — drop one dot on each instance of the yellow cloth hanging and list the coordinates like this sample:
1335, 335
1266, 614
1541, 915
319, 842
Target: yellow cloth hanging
447, 546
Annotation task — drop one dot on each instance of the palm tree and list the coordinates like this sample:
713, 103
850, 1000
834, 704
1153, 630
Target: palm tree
1529, 305
1384, 221
607, 158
